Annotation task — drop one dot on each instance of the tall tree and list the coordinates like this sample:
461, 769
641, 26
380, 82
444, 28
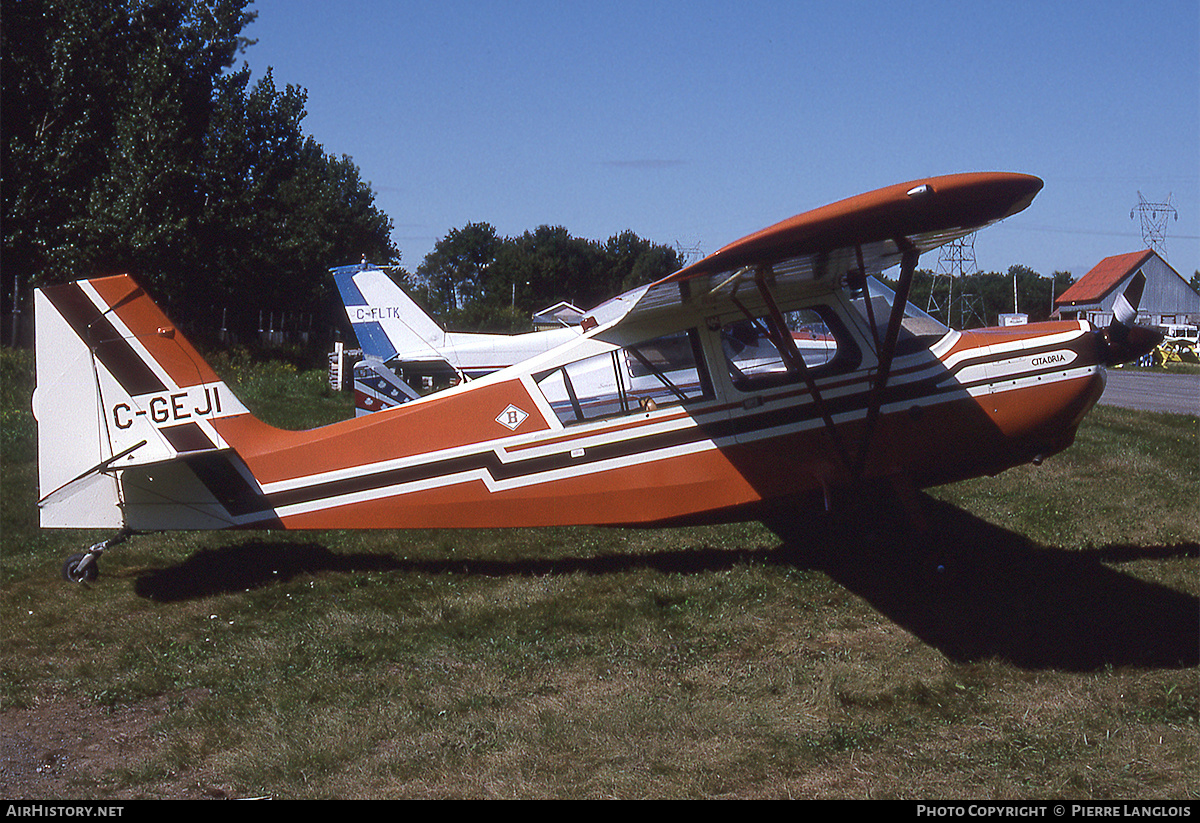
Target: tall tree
279, 210
476, 280
129, 146
634, 261
251, 146
454, 271
105, 107
557, 266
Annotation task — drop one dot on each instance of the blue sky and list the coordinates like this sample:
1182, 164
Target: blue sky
696, 123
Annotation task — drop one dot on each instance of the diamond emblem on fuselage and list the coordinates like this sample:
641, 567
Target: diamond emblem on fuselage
511, 417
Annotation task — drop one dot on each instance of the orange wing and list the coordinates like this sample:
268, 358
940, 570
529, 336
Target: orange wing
873, 230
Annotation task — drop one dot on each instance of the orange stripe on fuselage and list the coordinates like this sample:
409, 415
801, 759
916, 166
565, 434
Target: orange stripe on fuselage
648, 492
154, 331
434, 424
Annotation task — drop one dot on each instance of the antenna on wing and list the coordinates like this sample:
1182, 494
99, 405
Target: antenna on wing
1154, 222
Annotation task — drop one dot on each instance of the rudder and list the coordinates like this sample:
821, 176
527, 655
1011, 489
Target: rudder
385, 319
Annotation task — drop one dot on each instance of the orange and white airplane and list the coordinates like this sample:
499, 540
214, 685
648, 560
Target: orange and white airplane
665, 409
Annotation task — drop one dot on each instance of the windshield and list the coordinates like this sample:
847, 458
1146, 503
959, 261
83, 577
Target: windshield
916, 322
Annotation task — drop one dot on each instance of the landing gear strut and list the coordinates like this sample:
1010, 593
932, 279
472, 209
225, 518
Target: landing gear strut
84, 568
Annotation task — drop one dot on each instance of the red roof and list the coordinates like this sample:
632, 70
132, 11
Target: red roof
1103, 278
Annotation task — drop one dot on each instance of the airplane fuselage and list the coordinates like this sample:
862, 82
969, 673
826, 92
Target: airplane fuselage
514, 449
774, 372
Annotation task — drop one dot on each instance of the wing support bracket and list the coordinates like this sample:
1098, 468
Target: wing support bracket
795, 361
908, 265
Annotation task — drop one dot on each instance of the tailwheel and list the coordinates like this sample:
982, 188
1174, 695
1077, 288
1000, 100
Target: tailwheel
81, 568
85, 567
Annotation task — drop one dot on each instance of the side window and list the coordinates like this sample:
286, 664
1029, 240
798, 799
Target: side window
759, 355
659, 372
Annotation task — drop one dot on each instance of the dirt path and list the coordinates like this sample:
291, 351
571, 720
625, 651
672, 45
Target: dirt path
64, 751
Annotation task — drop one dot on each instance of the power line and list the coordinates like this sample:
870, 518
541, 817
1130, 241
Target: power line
1154, 222
955, 259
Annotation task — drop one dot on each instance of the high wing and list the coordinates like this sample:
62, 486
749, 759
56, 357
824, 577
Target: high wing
842, 245
857, 237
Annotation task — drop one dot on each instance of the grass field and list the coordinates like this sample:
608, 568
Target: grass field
1042, 643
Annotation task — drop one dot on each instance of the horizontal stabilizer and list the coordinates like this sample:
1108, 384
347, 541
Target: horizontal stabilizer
378, 387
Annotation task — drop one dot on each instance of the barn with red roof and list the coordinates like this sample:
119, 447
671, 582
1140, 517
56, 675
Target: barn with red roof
1167, 298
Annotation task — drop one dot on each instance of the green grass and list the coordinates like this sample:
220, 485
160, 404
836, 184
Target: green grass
1042, 642
1130, 476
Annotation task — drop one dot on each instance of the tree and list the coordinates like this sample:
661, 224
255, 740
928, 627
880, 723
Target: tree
279, 211
475, 280
454, 271
633, 261
128, 146
105, 108
979, 299
557, 266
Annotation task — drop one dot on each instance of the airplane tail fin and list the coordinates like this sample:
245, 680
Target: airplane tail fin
385, 319
128, 415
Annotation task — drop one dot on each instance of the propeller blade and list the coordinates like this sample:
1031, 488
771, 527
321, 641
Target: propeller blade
1125, 309
1125, 340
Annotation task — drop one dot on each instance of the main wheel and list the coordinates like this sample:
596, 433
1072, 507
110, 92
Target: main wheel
72, 572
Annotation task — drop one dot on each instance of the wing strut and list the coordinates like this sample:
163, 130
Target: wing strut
787, 347
908, 265
858, 280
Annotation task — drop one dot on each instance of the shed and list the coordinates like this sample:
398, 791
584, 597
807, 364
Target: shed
556, 316
1166, 299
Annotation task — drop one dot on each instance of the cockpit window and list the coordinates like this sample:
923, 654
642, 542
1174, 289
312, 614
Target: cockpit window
643, 377
760, 355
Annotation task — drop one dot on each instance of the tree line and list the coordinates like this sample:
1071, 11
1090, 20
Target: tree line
475, 280
133, 144
979, 299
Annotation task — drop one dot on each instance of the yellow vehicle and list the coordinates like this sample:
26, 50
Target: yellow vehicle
1179, 345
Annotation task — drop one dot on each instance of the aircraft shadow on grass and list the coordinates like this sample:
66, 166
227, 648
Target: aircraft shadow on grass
971, 589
